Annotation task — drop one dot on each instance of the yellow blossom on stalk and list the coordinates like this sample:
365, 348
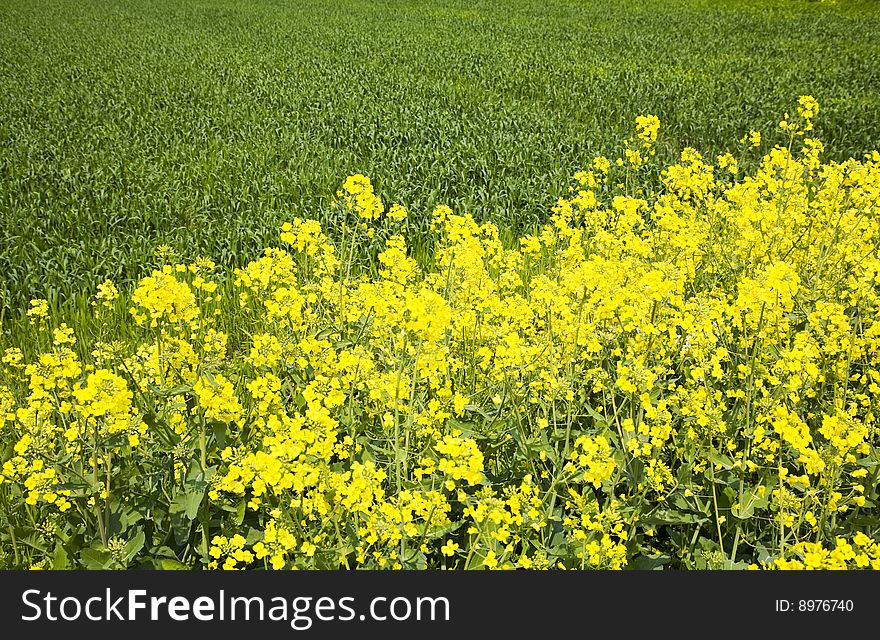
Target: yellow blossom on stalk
215, 343
265, 350
766, 299
634, 157
161, 297
216, 396
306, 238
587, 179
812, 148
357, 196
12, 357
814, 556
39, 310
752, 139
701, 341
727, 161
276, 544
106, 294
104, 395
601, 164
286, 305
530, 245
427, 314
788, 127
844, 434
647, 127
593, 458
397, 265
807, 109
50, 377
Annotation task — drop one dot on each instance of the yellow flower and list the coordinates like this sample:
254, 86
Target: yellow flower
217, 396
449, 548
39, 310
647, 128
106, 294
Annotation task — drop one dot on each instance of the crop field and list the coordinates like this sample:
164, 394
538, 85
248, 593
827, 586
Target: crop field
205, 124
422, 285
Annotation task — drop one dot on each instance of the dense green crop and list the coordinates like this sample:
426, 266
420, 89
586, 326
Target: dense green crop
203, 124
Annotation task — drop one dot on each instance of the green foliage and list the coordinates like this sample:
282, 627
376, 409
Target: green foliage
203, 124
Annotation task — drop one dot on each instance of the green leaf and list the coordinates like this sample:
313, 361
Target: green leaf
181, 528
743, 511
219, 429
239, 512
414, 559
133, 547
187, 503
60, 560
96, 559
35, 541
129, 518
690, 506
597, 417
719, 459
170, 392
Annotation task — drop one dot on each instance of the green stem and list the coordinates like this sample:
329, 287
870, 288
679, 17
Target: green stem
11, 528
98, 515
715, 506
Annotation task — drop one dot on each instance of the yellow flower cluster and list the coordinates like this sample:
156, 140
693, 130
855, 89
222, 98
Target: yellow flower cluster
459, 459
161, 297
861, 553
106, 294
594, 456
216, 396
357, 196
232, 551
277, 542
681, 367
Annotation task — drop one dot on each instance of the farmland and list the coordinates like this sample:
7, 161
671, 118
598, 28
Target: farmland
204, 125
440, 286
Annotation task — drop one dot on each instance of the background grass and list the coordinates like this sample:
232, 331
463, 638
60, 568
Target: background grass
203, 124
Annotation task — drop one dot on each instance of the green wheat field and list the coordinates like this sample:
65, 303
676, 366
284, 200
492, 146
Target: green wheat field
203, 125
